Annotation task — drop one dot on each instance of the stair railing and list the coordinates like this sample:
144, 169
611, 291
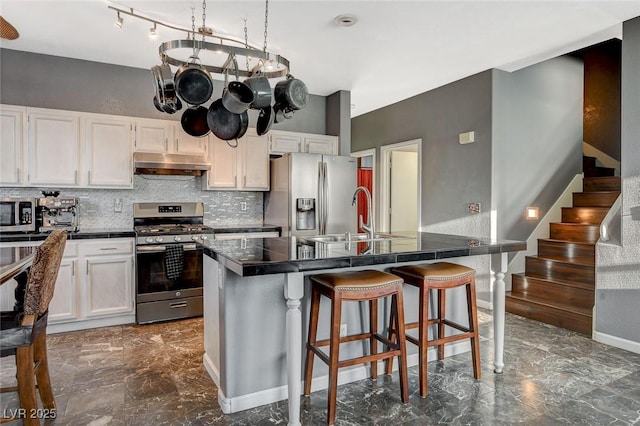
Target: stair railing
610, 225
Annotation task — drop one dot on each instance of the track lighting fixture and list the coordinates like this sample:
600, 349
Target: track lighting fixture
153, 32
118, 22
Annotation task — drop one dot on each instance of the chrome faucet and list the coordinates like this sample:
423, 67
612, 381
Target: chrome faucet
368, 227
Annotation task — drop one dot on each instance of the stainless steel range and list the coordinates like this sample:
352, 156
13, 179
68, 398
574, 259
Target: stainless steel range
169, 260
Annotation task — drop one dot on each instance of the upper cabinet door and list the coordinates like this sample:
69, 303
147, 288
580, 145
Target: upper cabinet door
108, 154
255, 164
282, 143
11, 145
321, 144
224, 165
54, 148
187, 144
153, 135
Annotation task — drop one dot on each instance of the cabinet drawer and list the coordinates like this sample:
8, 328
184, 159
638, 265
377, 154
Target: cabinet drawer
70, 249
107, 247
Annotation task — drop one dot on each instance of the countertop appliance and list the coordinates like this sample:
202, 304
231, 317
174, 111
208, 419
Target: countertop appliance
17, 214
312, 194
169, 260
58, 213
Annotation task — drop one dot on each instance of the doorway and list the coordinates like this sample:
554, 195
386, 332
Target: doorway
401, 186
366, 177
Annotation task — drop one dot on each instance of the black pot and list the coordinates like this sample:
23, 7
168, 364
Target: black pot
193, 84
225, 124
291, 93
194, 121
265, 120
261, 88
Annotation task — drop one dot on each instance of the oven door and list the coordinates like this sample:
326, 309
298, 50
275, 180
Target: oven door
152, 283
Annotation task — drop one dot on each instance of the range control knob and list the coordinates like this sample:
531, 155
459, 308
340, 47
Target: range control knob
158, 239
204, 237
195, 237
149, 240
176, 238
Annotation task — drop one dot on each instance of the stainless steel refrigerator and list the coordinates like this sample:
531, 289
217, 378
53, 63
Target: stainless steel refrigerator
311, 194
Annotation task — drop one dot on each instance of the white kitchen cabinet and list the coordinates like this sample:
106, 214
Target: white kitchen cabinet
153, 135
282, 142
53, 147
109, 277
162, 136
12, 137
108, 152
64, 304
242, 168
184, 143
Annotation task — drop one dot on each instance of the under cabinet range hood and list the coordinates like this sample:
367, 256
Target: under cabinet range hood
151, 163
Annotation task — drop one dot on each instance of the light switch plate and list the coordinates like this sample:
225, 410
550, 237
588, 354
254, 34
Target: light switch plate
468, 137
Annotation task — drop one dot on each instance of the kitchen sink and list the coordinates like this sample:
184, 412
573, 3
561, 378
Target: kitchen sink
347, 238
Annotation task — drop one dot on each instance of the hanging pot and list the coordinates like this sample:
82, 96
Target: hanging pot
225, 124
193, 83
165, 99
292, 93
237, 97
265, 120
261, 88
194, 121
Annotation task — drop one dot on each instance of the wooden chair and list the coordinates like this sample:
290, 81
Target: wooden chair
23, 332
363, 285
439, 276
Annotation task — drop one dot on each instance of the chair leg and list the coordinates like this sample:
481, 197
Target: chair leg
334, 357
391, 335
311, 341
26, 383
42, 372
473, 325
442, 303
398, 300
423, 336
373, 329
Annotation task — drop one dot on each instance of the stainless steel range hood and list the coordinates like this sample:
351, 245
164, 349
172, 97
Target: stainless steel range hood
169, 164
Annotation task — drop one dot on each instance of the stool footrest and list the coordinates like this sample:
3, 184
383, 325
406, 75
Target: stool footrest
369, 358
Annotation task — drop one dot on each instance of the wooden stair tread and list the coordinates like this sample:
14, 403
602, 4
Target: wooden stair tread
602, 183
568, 262
585, 243
586, 312
573, 284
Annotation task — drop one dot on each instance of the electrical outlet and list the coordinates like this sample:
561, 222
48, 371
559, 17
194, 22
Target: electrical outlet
474, 208
243, 206
343, 330
117, 205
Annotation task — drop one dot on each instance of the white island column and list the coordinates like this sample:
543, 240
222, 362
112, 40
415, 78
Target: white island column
499, 263
293, 292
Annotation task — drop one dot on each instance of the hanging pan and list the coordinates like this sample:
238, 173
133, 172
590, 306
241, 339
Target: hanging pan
225, 124
194, 121
237, 96
292, 93
193, 82
265, 120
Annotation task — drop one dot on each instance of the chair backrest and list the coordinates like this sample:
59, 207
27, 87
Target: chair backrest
43, 273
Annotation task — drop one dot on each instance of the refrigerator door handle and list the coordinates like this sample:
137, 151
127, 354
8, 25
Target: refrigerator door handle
326, 198
320, 205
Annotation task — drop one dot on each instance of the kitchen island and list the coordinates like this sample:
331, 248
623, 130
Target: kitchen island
254, 337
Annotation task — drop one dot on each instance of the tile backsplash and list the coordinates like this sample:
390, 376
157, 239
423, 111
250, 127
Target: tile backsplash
97, 206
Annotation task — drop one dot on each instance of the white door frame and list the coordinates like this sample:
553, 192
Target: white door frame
366, 153
385, 154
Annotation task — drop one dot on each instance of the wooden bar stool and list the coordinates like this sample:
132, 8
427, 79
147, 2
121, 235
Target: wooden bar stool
364, 285
440, 276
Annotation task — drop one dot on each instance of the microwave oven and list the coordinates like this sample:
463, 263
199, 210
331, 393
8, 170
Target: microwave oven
17, 214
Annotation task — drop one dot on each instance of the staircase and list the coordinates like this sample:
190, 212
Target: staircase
558, 284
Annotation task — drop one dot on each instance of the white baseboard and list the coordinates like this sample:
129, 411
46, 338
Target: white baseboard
84, 325
607, 339
268, 396
484, 304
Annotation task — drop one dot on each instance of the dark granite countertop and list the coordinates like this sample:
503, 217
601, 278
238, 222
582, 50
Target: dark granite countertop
262, 256
84, 234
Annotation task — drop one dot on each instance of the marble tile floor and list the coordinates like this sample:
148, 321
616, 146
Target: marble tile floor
153, 375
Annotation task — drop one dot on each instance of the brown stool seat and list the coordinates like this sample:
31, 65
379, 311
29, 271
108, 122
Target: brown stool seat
439, 276
366, 285
357, 280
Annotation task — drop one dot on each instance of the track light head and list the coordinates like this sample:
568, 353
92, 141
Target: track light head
119, 21
153, 32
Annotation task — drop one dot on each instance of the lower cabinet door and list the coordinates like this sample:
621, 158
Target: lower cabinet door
64, 305
108, 286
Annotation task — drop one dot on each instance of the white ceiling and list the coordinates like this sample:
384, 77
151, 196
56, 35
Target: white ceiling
396, 50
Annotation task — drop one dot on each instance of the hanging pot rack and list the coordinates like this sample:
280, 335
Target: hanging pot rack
272, 65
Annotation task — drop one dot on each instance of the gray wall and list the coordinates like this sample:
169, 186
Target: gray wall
618, 267
537, 139
339, 119
46, 81
452, 174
